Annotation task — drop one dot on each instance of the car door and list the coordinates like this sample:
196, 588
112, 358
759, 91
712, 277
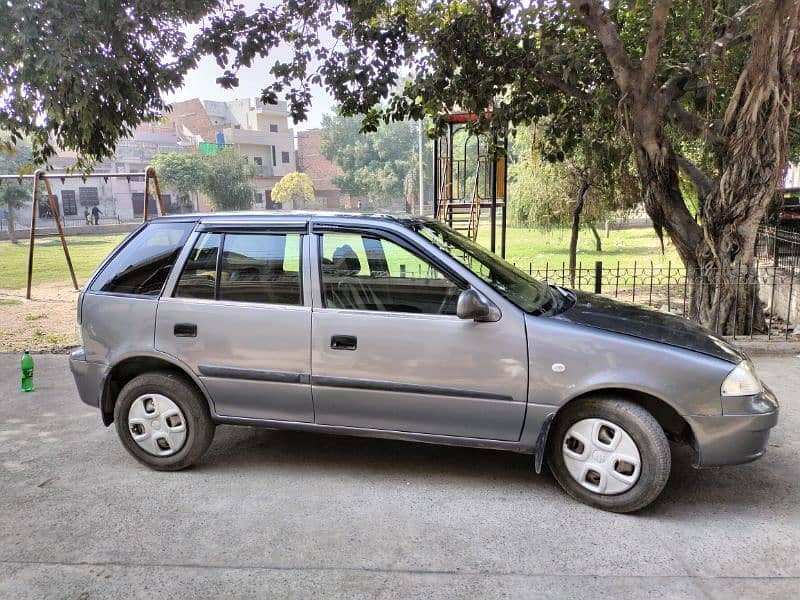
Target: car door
389, 352
237, 316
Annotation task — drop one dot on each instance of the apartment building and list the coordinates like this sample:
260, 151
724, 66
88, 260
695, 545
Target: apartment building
260, 132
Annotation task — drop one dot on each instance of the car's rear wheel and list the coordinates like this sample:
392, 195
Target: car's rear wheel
163, 421
609, 453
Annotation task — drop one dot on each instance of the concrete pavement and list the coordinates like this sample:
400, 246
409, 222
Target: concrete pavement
279, 514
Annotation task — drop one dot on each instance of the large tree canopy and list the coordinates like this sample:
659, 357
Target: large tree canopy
709, 77
81, 74
714, 81
376, 165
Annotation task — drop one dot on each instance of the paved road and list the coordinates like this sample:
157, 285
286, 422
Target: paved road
277, 514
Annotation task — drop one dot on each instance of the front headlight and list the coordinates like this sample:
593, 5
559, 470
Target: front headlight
742, 381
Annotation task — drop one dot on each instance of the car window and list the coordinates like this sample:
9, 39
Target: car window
199, 276
261, 268
367, 272
142, 265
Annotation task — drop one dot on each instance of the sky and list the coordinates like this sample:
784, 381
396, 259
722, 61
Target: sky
201, 82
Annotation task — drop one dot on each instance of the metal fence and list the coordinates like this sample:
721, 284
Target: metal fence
773, 289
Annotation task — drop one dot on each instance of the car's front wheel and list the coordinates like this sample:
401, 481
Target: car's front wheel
163, 421
609, 453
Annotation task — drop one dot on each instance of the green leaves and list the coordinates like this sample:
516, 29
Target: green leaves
82, 74
225, 176
376, 163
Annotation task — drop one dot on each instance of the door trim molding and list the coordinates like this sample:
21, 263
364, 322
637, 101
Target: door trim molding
254, 374
405, 388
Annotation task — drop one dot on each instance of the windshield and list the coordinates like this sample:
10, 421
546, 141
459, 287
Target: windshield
515, 285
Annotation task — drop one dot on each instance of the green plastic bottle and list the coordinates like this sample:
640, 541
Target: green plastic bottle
26, 366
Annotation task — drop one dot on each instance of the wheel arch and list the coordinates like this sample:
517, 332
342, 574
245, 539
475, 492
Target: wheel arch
675, 426
128, 367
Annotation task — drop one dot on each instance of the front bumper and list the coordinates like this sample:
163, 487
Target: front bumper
89, 377
735, 439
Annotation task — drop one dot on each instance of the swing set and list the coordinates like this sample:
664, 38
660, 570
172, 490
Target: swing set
40, 176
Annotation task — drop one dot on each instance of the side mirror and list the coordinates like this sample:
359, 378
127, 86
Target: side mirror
474, 305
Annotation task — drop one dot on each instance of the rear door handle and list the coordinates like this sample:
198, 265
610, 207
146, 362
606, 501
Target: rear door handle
344, 342
185, 330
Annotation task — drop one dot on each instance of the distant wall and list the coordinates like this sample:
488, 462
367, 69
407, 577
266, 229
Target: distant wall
70, 231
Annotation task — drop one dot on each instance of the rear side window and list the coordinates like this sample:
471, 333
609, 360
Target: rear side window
199, 277
141, 267
255, 267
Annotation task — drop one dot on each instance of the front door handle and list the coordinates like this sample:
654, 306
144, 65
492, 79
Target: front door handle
344, 342
185, 330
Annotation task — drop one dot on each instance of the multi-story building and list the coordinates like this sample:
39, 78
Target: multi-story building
259, 132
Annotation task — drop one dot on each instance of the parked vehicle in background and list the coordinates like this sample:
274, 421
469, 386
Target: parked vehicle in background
784, 212
399, 327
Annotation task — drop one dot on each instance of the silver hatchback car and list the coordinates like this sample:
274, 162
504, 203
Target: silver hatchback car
399, 327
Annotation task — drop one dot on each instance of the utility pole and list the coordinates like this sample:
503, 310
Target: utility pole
421, 169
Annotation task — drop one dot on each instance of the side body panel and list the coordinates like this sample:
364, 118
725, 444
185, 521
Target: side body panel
593, 359
116, 325
421, 373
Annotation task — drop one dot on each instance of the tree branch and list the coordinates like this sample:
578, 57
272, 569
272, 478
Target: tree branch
704, 184
694, 125
731, 37
655, 40
558, 82
607, 34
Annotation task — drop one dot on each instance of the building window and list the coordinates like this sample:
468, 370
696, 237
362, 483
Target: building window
273, 128
285, 157
137, 203
274, 162
257, 160
88, 196
68, 203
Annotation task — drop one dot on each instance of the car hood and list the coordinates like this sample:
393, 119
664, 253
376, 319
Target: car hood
648, 324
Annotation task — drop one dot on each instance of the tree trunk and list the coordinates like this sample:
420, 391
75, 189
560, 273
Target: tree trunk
751, 155
10, 216
576, 224
598, 243
751, 166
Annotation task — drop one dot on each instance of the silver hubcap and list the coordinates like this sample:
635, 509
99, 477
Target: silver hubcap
601, 456
157, 425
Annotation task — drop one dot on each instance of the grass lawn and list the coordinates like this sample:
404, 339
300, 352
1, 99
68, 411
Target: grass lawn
522, 247
49, 263
541, 247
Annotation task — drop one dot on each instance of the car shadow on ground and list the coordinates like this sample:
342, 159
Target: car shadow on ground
690, 491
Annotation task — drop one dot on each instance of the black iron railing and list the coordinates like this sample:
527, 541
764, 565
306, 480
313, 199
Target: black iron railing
772, 289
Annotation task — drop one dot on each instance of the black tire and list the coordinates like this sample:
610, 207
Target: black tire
645, 431
199, 426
